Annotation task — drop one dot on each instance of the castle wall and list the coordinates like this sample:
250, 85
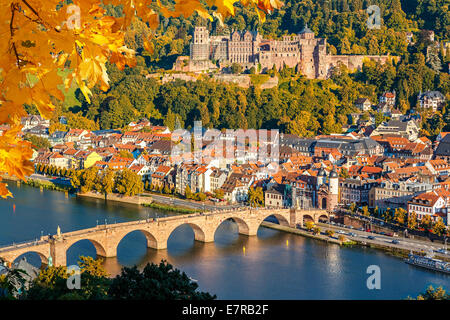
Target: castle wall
248, 49
355, 62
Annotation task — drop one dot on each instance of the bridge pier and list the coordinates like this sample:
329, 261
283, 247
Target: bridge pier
251, 230
58, 253
204, 236
158, 245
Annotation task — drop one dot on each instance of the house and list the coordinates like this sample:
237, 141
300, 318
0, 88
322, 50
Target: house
74, 135
183, 177
388, 98
235, 188
395, 114
441, 136
86, 141
136, 126
86, 159
434, 204
141, 170
32, 121
392, 194
407, 129
200, 179
39, 130
159, 177
443, 149
42, 158
57, 137
433, 100
438, 167
163, 147
363, 104
355, 190
59, 161
217, 178
278, 196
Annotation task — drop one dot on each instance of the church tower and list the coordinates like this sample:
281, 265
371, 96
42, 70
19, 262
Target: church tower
333, 189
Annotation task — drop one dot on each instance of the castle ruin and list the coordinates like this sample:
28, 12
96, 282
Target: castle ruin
250, 49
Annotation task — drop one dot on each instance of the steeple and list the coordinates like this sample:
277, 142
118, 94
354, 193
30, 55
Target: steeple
306, 33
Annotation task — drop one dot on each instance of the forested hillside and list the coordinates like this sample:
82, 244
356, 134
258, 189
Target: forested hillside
298, 105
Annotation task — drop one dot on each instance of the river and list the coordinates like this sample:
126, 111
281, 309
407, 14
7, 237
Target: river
273, 265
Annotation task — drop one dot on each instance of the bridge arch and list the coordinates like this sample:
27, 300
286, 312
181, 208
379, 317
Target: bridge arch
152, 241
199, 233
323, 217
282, 220
243, 226
43, 258
99, 247
307, 217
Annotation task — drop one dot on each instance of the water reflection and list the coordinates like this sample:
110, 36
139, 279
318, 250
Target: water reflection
274, 265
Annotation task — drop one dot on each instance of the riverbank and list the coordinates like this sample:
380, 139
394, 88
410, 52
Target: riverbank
158, 206
37, 183
137, 200
304, 233
390, 249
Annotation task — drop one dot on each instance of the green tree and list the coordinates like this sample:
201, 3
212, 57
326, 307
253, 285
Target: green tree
412, 220
155, 282
400, 216
366, 211
433, 294
106, 181
218, 194
426, 222
309, 225
51, 283
128, 183
439, 227
236, 68
256, 197
188, 192
387, 215
37, 142
352, 208
87, 178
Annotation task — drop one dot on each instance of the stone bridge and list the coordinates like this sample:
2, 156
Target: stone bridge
106, 238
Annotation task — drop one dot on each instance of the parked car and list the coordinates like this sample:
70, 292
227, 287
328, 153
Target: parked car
371, 237
395, 241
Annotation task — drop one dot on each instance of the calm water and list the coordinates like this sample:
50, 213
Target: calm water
274, 265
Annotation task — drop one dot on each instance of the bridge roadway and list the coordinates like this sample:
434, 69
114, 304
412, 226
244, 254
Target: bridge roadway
106, 238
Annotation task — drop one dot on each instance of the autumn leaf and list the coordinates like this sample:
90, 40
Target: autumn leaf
37, 41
